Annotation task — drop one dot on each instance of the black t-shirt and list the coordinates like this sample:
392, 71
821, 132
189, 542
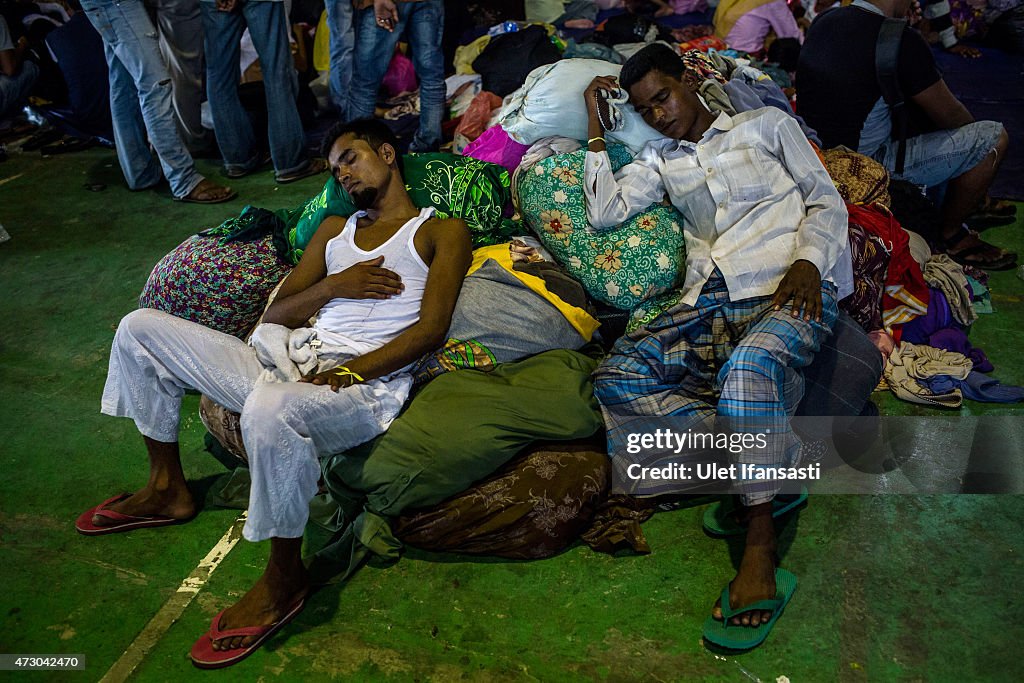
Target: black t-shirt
836, 82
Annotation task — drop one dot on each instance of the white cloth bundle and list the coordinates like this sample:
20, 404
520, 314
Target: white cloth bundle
550, 103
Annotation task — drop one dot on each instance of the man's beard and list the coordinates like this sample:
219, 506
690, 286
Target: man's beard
364, 197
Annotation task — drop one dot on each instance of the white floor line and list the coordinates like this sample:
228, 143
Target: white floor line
174, 607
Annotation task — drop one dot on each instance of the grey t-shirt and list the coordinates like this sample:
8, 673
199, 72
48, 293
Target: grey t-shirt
5, 36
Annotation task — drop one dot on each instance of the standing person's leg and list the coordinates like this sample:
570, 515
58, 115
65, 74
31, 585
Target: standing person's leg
222, 33
127, 30
268, 27
374, 48
761, 388
180, 26
138, 163
138, 50
342, 46
155, 357
425, 28
139, 166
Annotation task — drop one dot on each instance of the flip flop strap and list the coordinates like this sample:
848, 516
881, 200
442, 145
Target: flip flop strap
244, 631
103, 511
770, 605
786, 506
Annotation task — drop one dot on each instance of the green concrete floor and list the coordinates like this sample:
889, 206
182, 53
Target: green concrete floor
909, 588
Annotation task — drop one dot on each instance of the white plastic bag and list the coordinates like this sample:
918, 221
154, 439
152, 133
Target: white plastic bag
550, 102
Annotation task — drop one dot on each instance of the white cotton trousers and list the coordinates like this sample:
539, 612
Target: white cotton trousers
155, 357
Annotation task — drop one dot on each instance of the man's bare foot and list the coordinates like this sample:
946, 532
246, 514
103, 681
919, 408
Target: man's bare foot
755, 579
272, 597
176, 503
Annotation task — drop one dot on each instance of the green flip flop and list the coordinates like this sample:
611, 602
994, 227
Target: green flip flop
719, 519
732, 637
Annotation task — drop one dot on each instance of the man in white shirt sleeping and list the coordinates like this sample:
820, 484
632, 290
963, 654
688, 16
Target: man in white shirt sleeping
767, 260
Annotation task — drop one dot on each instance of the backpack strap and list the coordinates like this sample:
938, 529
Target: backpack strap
887, 52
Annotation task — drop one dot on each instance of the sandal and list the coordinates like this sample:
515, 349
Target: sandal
969, 250
993, 213
314, 167
998, 207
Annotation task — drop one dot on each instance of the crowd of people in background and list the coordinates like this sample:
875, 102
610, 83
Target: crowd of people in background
163, 59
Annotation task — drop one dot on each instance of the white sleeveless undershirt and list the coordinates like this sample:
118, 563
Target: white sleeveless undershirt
363, 325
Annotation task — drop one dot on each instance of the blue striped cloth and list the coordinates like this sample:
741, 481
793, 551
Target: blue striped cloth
719, 365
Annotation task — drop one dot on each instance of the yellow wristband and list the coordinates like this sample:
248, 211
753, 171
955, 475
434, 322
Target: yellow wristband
595, 140
345, 372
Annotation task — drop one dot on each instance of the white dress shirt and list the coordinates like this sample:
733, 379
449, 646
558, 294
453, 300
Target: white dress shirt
754, 196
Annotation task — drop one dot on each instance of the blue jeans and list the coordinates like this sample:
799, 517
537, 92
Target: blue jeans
268, 27
140, 98
342, 44
14, 89
423, 23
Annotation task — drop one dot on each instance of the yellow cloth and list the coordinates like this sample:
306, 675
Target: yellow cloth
465, 55
583, 322
730, 10
322, 45
910, 362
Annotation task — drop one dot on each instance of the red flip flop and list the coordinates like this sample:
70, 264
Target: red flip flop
119, 522
205, 657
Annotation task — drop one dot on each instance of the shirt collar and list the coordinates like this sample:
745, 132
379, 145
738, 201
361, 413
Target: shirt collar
723, 123
865, 5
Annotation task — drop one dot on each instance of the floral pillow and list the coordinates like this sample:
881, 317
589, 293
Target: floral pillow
621, 266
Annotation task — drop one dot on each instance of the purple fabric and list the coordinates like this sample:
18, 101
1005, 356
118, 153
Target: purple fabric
938, 329
977, 387
750, 30
955, 339
494, 145
938, 317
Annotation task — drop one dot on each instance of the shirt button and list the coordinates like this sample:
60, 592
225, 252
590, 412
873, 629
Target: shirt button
721, 205
710, 171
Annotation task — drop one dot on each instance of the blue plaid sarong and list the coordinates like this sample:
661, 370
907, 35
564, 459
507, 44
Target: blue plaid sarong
734, 362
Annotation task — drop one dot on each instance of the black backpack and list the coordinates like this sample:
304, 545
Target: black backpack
507, 60
887, 53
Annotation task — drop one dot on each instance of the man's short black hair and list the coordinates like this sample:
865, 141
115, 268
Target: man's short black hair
374, 131
654, 57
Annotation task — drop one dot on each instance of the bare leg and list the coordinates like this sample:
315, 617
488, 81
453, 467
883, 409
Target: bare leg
755, 579
284, 582
968, 190
166, 493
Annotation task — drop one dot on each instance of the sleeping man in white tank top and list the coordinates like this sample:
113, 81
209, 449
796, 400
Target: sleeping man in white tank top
383, 284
